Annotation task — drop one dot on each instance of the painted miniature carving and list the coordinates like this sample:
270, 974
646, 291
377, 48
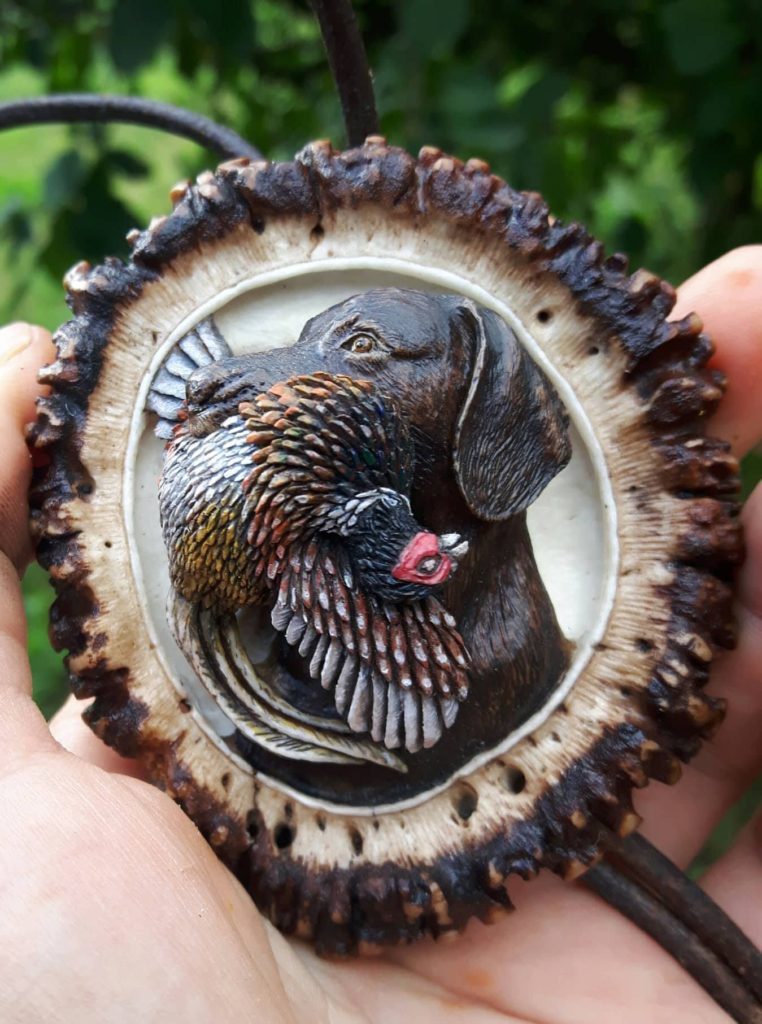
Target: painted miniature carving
334, 839
298, 499
321, 530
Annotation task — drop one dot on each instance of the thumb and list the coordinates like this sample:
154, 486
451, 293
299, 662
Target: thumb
22, 351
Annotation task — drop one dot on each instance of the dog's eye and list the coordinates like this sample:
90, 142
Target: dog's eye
360, 344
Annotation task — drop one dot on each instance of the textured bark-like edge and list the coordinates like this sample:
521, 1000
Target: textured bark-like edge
360, 907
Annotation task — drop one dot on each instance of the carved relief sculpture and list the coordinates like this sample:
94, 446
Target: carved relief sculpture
386, 533
297, 501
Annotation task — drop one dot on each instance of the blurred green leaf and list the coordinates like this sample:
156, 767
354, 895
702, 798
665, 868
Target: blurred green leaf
48, 675
757, 185
518, 81
138, 28
76, 231
739, 815
700, 34
15, 226
228, 26
123, 162
64, 180
431, 26
751, 471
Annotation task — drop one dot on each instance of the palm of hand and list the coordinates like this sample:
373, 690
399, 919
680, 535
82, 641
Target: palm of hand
114, 907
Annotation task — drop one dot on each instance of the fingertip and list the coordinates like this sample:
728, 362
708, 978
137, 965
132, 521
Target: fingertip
22, 728
14, 338
24, 349
735, 880
42, 347
70, 731
727, 295
19, 337
750, 578
729, 276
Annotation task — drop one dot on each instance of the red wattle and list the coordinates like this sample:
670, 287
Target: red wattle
423, 545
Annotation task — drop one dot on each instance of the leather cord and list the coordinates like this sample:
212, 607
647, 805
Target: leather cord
72, 108
349, 67
645, 886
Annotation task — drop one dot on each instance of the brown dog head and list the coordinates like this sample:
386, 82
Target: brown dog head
478, 405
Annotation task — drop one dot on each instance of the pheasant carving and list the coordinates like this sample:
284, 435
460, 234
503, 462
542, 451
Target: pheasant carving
300, 503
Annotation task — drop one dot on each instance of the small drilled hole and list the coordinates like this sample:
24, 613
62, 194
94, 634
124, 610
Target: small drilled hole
320, 822
545, 316
514, 779
225, 780
317, 232
107, 543
465, 802
284, 836
593, 350
357, 843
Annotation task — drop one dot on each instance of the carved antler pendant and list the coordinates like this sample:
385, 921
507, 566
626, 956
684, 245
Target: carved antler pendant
379, 506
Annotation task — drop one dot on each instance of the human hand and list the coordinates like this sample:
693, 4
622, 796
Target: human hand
115, 909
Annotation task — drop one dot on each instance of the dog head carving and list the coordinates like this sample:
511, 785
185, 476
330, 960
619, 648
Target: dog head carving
478, 405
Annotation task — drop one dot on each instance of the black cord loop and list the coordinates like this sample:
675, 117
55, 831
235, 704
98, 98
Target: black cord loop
349, 67
656, 895
73, 108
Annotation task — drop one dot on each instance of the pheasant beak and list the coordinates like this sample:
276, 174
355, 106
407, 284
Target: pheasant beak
453, 546
422, 561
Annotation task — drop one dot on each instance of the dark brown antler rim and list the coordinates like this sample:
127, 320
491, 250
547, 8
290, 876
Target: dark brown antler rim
651, 891
78, 108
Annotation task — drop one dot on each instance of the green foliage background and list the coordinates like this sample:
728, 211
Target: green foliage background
639, 117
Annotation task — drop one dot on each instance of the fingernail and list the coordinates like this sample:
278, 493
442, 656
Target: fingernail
13, 340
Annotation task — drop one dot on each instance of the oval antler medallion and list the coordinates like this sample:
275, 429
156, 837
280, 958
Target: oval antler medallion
385, 532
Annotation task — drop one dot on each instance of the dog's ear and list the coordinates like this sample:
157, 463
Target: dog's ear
512, 436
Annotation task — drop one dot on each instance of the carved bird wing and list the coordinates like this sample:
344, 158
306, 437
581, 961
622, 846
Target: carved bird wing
199, 347
396, 671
